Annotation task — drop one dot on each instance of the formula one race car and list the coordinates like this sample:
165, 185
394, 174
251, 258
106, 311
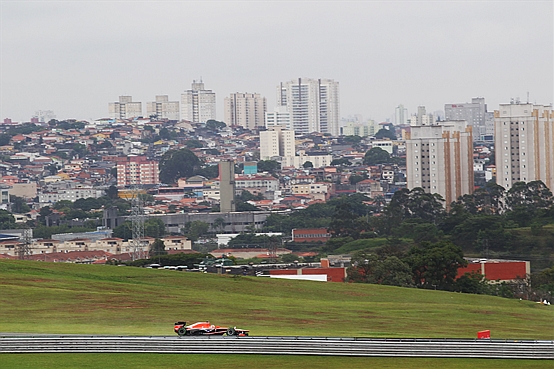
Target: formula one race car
207, 329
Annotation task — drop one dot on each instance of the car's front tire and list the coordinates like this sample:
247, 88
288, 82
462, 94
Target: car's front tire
231, 332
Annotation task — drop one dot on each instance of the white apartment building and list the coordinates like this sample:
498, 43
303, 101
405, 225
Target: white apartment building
276, 142
198, 104
280, 116
298, 161
312, 103
422, 118
245, 110
256, 182
359, 129
473, 113
524, 144
439, 159
163, 108
125, 108
401, 115
71, 194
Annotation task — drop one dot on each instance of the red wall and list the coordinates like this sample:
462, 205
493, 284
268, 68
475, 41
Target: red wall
503, 271
497, 271
333, 274
471, 267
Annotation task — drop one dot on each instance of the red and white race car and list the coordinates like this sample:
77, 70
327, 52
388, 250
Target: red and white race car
207, 329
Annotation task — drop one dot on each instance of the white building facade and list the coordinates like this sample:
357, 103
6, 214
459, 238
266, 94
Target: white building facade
125, 108
198, 104
312, 103
276, 142
473, 113
279, 117
439, 159
245, 110
162, 108
524, 144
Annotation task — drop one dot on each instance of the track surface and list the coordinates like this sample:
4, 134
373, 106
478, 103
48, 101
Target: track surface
330, 346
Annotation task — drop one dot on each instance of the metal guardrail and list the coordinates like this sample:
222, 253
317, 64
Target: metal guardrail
325, 346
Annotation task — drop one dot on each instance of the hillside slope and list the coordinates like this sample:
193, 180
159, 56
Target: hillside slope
67, 298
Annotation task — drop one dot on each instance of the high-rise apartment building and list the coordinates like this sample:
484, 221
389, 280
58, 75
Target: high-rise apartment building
439, 159
162, 108
125, 108
245, 110
198, 104
524, 144
401, 115
137, 170
276, 142
312, 103
422, 118
278, 117
473, 113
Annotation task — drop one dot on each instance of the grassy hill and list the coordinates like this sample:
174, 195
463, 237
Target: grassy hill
68, 298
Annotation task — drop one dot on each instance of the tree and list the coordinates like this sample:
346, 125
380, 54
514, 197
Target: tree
385, 133
18, 204
346, 223
154, 227
528, 200
214, 125
7, 221
196, 229
157, 248
112, 192
435, 265
211, 171
355, 178
269, 166
353, 140
176, 164
218, 224
389, 270
340, 162
193, 144
376, 155
308, 164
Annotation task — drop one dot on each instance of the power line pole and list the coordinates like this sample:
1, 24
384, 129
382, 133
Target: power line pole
24, 246
137, 221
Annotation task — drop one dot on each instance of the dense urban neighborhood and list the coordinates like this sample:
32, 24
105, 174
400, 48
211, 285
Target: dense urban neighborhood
377, 203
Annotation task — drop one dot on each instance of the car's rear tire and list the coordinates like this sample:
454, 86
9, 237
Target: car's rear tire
182, 331
231, 332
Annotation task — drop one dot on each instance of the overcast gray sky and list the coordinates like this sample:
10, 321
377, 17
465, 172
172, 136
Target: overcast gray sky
73, 57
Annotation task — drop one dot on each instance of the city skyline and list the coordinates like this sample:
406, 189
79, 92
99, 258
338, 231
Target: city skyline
75, 57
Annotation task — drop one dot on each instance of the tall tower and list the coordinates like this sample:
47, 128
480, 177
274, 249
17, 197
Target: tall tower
198, 104
227, 186
439, 159
312, 103
524, 144
245, 110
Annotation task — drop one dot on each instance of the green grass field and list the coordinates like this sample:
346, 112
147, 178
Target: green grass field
38, 297
156, 361
68, 298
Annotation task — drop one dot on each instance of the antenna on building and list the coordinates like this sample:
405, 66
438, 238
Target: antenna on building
527, 97
137, 220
